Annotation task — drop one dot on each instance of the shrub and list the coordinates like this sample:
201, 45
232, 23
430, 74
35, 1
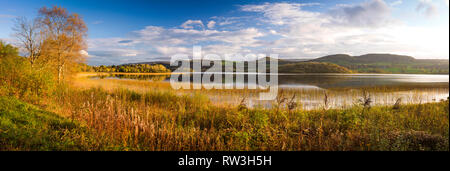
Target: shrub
21, 80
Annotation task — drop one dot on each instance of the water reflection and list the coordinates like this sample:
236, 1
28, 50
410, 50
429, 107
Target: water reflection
154, 78
325, 81
343, 90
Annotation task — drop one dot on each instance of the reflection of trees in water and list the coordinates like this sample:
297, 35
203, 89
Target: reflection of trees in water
100, 76
142, 77
137, 77
322, 81
314, 80
325, 81
355, 81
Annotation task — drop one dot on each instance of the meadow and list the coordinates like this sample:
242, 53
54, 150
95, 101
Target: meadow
89, 116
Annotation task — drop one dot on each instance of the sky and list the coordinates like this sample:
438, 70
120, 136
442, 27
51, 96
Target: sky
140, 31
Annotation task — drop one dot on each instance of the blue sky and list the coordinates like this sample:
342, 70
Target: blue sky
137, 31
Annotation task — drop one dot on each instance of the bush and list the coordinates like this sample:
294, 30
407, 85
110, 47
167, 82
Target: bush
19, 79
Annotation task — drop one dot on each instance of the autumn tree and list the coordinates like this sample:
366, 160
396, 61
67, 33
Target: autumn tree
28, 34
64, 38
7, 50
8, 69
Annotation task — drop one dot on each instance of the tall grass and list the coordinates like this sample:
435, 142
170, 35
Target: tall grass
140, 115
163, 120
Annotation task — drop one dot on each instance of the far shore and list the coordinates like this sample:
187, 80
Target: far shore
86, 74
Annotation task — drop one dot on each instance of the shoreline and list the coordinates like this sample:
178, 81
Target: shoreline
170, 73
84, 74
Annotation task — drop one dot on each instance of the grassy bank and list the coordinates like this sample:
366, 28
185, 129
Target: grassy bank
165, 121
26, 127
156, 119
126, 120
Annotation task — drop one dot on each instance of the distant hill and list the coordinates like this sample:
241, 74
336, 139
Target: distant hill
338, 58
312, 67
375, 58
369, 63
369, 58
388, 63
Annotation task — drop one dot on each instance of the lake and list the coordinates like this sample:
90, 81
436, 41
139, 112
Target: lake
338, 90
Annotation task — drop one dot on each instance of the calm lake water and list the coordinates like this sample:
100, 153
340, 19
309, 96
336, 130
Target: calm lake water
342, 90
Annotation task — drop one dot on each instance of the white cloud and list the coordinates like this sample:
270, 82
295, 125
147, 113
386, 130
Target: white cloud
427, 7
283, 13
84, 53
372, 13
231, 21
189, 24
354, 29
227, 22
154, 41
211, 24
396, 3
287, 29
446, 2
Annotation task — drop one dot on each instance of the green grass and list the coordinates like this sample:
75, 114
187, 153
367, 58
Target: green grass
122, 119
25, 127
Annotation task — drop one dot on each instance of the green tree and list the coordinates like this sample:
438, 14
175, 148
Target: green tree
7, 50
19, 79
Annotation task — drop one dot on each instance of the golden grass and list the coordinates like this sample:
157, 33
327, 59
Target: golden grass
145, 115
161, 121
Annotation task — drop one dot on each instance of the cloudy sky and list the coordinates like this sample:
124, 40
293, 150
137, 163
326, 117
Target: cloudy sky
138, 31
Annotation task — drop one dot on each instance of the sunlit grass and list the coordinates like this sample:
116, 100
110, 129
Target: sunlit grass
114, 114
158, 120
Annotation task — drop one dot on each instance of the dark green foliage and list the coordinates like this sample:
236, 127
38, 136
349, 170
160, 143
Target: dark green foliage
6, 50
369, 58
82, 67
133, 68
388, 63
312, 67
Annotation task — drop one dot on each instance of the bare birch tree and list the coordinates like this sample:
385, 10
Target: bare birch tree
28, 33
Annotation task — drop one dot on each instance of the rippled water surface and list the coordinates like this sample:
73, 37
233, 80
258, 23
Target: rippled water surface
338, 90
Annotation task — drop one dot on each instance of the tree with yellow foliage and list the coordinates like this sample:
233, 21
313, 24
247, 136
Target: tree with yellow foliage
63, 38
